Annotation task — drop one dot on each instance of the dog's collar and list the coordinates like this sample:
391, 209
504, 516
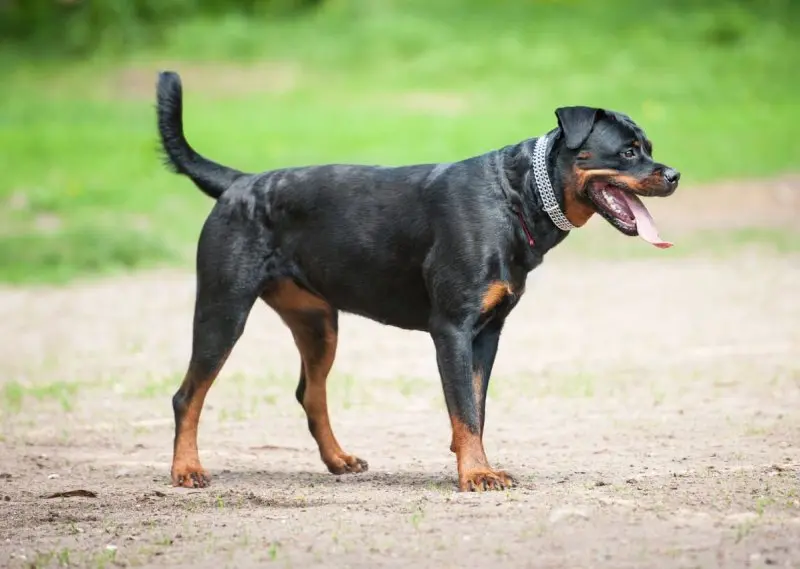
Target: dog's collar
545, 188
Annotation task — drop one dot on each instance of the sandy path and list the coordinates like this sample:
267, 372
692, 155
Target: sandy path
649, 410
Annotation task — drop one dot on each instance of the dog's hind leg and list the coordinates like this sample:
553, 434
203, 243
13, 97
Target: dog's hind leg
314, 325
228, 284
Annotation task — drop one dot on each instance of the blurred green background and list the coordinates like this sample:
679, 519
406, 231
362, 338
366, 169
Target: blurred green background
288, 82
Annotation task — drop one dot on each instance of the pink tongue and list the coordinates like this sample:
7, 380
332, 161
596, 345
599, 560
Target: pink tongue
644, 222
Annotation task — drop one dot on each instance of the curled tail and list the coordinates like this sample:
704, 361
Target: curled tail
212, 178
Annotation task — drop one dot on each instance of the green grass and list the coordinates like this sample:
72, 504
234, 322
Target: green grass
13, 394
605, 243
393, 82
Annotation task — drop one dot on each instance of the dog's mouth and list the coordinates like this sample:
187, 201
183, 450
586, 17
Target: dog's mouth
625, 211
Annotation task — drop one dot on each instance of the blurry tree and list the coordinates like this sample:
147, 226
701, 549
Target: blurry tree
79, 25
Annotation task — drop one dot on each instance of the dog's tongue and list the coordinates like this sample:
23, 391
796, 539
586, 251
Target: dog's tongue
644, 221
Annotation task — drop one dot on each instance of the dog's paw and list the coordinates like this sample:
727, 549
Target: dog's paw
190, 476
481, 479
346, 463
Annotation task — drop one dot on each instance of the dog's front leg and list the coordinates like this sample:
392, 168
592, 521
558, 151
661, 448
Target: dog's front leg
484, 350
464, 398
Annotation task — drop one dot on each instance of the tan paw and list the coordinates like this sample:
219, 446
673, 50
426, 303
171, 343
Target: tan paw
189, 475
480, 479
346, 463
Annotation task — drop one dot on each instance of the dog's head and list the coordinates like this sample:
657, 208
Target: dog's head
611, 161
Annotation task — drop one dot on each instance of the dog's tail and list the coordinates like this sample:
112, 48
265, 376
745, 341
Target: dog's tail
212, 178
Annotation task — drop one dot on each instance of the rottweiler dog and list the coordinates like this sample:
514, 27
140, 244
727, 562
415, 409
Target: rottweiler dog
443, 248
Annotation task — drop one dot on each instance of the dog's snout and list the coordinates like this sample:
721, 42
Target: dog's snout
672, 176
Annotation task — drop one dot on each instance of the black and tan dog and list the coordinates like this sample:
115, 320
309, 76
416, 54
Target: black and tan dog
441, 248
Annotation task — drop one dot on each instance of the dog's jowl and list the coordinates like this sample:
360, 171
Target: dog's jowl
440, 248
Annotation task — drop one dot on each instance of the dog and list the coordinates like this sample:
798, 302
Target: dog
442, 248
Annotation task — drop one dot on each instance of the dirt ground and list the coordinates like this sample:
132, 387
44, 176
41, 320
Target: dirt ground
649, 409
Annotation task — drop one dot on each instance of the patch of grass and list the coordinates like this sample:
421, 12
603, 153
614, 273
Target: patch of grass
55, 558
236, 415
577, 384
756, 430
779, 240
61, 255
606, 243
411, 386
83, 190
441, 487
343, 388
106, 558
417, 517
272, 550
158, 387
42, 559
63, 557
744, 529
14, 394
282, 382
762, 503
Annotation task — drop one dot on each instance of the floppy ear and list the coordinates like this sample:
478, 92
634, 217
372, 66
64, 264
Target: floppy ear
576, 123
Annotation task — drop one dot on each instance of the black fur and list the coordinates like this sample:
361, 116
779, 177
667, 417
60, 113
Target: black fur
576, 123
179, 156
413, 247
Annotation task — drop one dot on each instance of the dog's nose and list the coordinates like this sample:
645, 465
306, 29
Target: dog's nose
672, 176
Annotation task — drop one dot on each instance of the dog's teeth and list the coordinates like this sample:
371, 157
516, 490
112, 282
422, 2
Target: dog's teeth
613, 203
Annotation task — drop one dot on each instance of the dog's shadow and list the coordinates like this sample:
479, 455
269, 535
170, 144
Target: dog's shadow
284, 489
306, 489
261, 479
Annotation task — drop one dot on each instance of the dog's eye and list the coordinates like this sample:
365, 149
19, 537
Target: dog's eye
629, 153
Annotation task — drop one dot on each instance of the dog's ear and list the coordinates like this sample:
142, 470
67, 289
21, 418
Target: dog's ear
576, 123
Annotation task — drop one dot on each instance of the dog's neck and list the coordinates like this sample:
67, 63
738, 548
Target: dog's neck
516, 165
541, 185
518, 180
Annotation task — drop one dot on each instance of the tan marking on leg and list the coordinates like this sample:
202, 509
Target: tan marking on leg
494, 294
477, 387
187, 471
474, 471
477, 390
186, 468
293, 304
